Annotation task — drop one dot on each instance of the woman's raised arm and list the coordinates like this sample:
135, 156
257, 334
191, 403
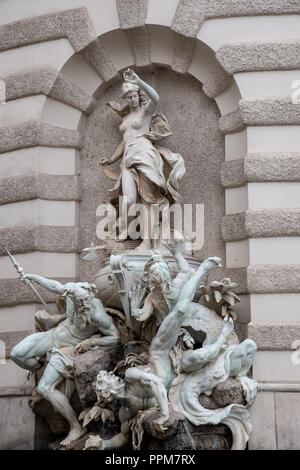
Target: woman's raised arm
132, 77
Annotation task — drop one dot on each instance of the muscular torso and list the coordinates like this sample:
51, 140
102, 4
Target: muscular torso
69, 332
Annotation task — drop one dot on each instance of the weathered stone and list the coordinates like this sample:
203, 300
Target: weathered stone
15, 292
184, 49
89, 364
261, 223
233, 227
258, 56
96, 54
274, 336
140, 43
51, 187
228, 392
272, 167
26, 238
189, 17
132, 13
273, 278
269, 111
272, 223
232, 173
261, 167
191, 14
217, 82
46, 80
73, 24
57, 424
231, 122
182, 435
34, 133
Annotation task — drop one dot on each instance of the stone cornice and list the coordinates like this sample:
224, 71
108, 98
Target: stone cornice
35, 133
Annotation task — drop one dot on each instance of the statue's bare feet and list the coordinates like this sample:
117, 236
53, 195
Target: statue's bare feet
75, 433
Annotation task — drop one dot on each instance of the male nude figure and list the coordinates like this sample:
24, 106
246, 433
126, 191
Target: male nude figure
86, 318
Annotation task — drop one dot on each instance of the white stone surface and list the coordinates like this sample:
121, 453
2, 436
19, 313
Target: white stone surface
18, 162
275, 83
288, 420
203, 62
263, 139
242, 308
20, 317
57, 161
17, 318
38, 211
52, 53
60, 114
34, 160
263, 419
161, 12
22, 109
228, 101
17, 424
80, 71
217, 32
237, 254
273, 195
275, 366
162, 49
45, 264
236, 200
274, 250
118, 49
12, 375
236, 145
283, 308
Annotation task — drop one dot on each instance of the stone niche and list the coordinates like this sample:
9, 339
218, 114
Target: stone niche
193, 119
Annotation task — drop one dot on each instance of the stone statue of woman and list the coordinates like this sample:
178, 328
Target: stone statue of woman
142, 178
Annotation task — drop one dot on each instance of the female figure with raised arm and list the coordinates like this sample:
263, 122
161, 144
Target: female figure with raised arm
142, 178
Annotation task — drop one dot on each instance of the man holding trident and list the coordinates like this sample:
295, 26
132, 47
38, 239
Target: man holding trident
79, 332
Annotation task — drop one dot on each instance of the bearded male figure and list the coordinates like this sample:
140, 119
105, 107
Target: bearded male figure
85, 319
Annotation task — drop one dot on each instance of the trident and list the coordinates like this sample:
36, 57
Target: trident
20, 272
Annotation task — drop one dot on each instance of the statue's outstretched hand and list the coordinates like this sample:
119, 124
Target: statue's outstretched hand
130, 76
83, 347
211, 263
27, 278
174, 246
